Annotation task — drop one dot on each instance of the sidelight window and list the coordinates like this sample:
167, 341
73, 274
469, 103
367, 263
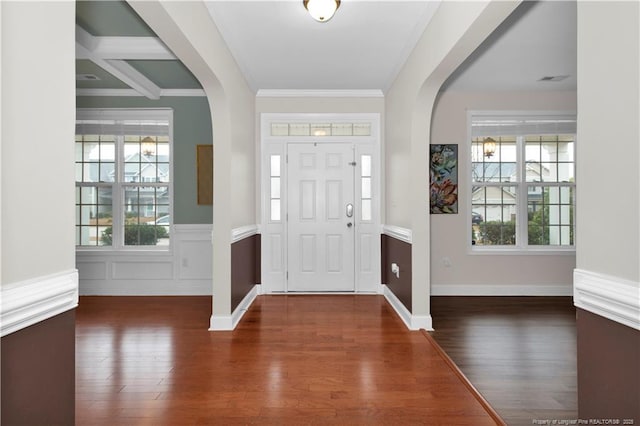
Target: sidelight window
275, 188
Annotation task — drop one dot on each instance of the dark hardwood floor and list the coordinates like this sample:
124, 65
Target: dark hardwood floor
519, 352
292, 360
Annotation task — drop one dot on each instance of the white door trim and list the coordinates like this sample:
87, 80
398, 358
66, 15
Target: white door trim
273, 229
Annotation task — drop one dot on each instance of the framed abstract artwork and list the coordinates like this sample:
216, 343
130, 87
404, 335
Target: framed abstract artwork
443, 185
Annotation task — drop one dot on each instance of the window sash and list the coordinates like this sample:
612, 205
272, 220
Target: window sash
123, 123
521, 127
522, 124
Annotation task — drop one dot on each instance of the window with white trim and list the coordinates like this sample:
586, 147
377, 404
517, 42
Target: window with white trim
523, 181
275, 188
123, 178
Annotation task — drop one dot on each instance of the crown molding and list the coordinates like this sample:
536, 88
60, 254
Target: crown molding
276, 93
131, 92
611, 297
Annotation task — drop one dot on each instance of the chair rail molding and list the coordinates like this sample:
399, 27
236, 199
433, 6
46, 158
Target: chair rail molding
402, 234
28, 302
611, 297
243, 232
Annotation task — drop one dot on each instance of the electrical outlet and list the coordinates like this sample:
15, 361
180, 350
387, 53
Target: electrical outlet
446, 262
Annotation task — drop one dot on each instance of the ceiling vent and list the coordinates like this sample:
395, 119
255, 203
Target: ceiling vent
553, 78
86, 77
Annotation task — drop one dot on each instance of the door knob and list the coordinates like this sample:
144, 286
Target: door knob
349, 225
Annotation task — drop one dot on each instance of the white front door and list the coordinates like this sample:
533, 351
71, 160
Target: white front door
321, 223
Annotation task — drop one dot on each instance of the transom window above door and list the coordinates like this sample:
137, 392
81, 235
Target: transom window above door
321, 129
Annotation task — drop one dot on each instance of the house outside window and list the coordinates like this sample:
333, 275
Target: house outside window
523, 182
123, 178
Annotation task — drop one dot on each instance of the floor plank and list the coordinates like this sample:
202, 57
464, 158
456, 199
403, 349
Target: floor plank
292, 360
519, 352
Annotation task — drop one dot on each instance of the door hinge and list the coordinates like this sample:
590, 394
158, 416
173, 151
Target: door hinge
287, 275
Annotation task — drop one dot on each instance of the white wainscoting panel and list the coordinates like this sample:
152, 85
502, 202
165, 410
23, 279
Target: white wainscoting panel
186, 269
28, 302
611, 297
141, 269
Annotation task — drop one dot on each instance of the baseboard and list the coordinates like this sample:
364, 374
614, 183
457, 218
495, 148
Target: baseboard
502, 290
611, 297
28, 302
146, 288
413, 322
221, 323
229, 322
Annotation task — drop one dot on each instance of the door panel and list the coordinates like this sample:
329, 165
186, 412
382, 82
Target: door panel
320, 242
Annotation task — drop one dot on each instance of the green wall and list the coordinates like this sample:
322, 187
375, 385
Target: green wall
191, 127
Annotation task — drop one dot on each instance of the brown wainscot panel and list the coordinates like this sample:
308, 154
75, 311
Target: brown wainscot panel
608, 369
399, 252
245, 268
38, 373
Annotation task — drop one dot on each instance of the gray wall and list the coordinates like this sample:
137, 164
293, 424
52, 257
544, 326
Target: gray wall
191, 127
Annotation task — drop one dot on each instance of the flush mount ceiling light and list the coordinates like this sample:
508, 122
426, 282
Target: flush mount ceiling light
321, 10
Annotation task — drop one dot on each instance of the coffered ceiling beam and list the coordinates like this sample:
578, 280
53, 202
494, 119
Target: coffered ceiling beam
109, 55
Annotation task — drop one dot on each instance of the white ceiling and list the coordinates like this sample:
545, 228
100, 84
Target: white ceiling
538, 40
277, 45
